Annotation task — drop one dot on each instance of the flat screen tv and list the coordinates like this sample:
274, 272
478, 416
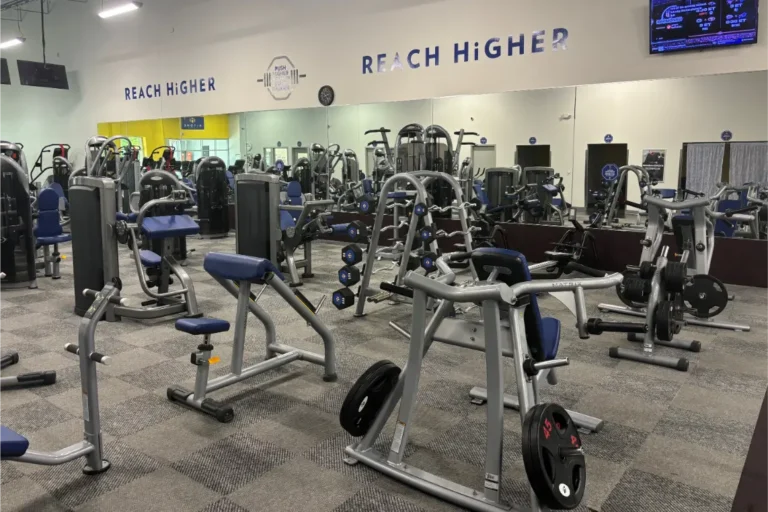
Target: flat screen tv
5, 76
680, 25
38, 74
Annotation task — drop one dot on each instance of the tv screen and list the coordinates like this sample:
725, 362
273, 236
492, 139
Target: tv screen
5, 75
38, 74
679, 25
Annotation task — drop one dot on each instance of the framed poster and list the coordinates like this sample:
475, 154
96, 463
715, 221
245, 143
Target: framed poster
653, 162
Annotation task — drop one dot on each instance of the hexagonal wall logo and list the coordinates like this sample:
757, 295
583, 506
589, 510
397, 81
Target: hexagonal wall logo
281, 78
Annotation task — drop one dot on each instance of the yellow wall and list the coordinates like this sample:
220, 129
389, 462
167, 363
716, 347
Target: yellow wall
155, 132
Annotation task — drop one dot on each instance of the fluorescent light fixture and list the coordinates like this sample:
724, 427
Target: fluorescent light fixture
11, 42
122, 9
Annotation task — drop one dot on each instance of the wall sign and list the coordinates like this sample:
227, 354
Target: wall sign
532, 141
726, 135
610, 172
653, 162
483, 140
608, 138
281, 78
182, 88
193, 123
465, 51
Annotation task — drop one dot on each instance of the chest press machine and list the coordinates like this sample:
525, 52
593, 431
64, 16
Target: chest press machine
97, 227
558, 482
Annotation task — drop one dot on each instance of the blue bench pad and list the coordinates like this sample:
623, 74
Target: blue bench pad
202, 325
239, 267
150, 258
169, 226
51, 240
128, 217
550, 336
12, 444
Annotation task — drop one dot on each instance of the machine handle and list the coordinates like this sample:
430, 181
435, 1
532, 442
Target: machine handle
379, 130
589, 271
92, 294
748, 209
598, 326
95, 356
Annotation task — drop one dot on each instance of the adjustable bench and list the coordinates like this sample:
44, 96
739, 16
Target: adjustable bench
49, 232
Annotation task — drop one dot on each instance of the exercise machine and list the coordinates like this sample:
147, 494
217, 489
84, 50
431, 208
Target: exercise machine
552, 457
212, 188
704, 296
97, 228
236, 273
16, 222
15, 447
266, 228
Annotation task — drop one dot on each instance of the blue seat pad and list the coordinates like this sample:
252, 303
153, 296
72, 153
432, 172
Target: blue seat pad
12, 444
239, 267
150, 258
550, 336
169, 226
202, 325
286, 220
51, 240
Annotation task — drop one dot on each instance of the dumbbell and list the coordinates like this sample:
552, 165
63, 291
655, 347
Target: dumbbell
420, 209
427, 234
429, 262
357, 232
343, 298
349, 276
352, 254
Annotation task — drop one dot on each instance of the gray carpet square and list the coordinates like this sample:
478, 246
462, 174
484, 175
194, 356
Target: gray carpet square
136, 414
71, 487
329, 454
372, 499
34, 416
232, 462
642, 491
223, 505
615, 443
725, 435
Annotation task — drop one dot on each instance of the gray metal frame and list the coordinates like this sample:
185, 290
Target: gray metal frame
91, 446
277, 354
698, 260
419, 181
642, 177
423, 333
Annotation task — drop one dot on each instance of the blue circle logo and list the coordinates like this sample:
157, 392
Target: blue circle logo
726, 135
483, 140
279, 166
610, 172
532, 141
608, 138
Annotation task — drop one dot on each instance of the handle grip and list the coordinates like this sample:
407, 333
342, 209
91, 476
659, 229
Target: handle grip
748, 209
95, 356
589, 271
598, 326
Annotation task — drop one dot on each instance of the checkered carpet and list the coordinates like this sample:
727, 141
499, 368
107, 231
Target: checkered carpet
672, 441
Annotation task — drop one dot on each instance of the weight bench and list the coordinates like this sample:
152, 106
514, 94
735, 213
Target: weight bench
49, 232
236, 273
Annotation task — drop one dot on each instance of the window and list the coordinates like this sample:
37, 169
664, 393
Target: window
192, 149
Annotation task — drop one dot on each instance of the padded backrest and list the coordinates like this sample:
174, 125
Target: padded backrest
230, 179
722, 228
513, 269
666, 193
480, 193
48, 223
368, 186
286, 220
294, 193
682, 226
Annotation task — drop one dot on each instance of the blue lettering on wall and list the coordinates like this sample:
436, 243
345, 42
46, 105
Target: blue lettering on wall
191, 86
464, 51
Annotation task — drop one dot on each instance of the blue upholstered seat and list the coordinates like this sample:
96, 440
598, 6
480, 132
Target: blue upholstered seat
169, 226
202, 325
239, 267
150, 258
12, 444
48, 230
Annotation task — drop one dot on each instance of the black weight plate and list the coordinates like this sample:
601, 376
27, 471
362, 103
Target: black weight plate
675, 274
366, 397
558, 478
647, 269
705, 296
633, 290
665, 322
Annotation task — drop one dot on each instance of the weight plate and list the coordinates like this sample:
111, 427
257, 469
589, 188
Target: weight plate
366, 397
705, 296
633, 291
647, 269
675, 274
665, 321
552, 455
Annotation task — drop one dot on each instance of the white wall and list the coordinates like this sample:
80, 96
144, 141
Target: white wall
662, 114
267, 128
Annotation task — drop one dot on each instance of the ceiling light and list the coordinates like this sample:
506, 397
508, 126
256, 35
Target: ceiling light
11, 42
122, 9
